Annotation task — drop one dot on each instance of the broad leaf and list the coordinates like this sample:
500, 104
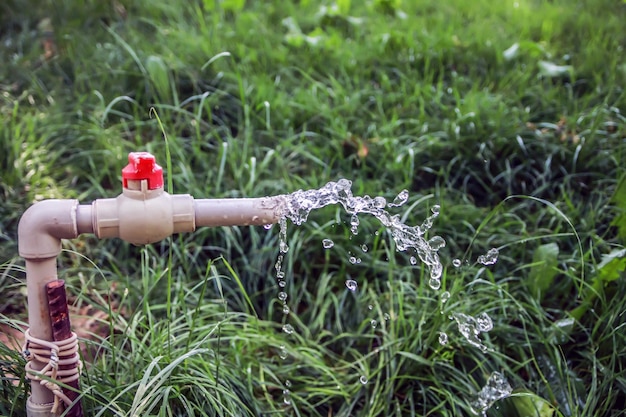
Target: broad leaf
544, 269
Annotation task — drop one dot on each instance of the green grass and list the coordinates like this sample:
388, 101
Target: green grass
272, 97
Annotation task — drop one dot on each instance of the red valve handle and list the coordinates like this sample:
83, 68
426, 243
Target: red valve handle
143, 166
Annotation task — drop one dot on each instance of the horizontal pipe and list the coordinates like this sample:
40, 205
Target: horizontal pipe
238, 211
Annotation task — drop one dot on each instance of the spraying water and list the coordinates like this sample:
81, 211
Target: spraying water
299, 204
471, 327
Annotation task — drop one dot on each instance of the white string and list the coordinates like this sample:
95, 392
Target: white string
64, 353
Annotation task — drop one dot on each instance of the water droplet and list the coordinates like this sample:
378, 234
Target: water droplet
436, 270
282, 352
370, 307
327, 243
444, 297
363, 379
400, 199
351, 284
364, 248
283, 247
386, 316
268, 226
495, 389
373, 323
282, 283
434, 283
288, 383
435, 209
288, 328
413, 260
282, 296
279, 263
286, 397
456, 263
436, 243
490, 258
354, 224
443, 338
286, 309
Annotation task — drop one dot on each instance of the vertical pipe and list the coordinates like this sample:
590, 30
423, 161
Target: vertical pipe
39, 273
61, 330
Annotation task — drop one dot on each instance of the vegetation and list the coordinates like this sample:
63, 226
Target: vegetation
509, 115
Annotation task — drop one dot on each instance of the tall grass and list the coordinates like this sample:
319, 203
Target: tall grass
522, 150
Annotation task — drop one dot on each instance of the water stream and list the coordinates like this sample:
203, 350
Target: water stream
299, 204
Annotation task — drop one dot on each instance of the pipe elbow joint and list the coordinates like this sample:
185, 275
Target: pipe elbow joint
143, 216
43, 225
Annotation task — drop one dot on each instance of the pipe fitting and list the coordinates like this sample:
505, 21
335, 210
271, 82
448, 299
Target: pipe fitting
43, 225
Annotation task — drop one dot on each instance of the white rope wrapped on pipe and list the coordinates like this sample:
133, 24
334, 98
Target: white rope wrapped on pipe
51, 376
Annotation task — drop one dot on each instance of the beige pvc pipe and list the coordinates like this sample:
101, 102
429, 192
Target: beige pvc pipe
40, 231
138, 215
238, 211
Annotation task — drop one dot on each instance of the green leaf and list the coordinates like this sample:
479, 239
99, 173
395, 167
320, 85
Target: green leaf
544, 269
619, 200
343, 6
528, 404
612, 266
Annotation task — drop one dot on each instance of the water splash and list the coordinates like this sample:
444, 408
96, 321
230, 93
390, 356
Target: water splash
495, 389
471, 327
490, 258
297, 206
400, 199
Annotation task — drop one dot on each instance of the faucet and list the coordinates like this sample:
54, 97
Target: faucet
144, 213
